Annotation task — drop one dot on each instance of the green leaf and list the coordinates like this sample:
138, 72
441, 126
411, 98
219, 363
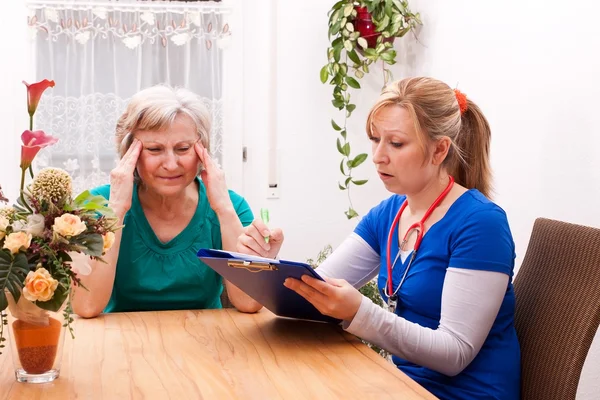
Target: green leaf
399, 6
343, 133
386, 56
397, 19
353, 56
359, 74
351, 213
353, 83
388, 7
348, 179
335, 126
346, 149
359, 159
387, 76
370, 53
57, 300
324, 73
362, 42
403, 32
85, 197
13, 270
350, 107
339, 146
335, 28
342, 167
337, 5
341, 187
91, 244
348, 9
348, 45
360, 182
337, 50
335, 15
384, 23
339, 104
343, 69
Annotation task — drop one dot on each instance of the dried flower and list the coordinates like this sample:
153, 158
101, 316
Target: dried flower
52, 185
8, 213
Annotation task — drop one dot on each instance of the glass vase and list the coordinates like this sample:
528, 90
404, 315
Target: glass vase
36, 341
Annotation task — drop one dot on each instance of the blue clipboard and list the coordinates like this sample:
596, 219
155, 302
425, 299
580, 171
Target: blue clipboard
262, 279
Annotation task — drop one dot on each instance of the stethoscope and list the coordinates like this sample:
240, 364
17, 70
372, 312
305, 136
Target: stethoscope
420, 228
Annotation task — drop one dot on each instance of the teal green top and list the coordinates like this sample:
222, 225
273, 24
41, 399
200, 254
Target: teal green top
152, 275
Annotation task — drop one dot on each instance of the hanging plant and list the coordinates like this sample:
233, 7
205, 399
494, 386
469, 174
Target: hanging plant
361, 33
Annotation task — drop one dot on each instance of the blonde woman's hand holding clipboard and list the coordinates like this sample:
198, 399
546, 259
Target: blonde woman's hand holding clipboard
335, 297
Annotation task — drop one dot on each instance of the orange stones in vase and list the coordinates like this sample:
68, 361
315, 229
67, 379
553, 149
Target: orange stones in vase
37, 345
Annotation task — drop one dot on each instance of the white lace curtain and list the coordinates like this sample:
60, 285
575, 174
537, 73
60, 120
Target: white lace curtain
100, 53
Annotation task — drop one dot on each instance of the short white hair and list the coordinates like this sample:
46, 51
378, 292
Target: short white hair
155, 108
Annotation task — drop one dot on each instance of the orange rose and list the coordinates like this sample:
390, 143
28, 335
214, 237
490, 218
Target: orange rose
39, 285
68, 225
109, 240
3, 225
17, 241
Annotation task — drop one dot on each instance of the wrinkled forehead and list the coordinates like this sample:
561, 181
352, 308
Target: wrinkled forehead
393, 119
182, 129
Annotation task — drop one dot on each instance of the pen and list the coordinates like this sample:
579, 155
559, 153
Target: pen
264, 216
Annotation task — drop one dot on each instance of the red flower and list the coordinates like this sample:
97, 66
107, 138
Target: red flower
32, 143
34, 93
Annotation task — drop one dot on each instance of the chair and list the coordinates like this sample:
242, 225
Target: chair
557, 294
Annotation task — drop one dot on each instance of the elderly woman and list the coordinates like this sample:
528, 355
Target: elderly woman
167, 213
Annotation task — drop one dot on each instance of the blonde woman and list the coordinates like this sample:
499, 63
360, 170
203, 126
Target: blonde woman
449, 320
168, 213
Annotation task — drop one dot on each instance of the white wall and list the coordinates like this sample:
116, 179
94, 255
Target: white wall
532, 66
14, 68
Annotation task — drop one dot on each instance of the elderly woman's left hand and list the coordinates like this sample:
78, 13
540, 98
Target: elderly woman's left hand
334, 297
214, 180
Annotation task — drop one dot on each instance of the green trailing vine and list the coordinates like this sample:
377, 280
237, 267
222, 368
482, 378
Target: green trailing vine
350, 54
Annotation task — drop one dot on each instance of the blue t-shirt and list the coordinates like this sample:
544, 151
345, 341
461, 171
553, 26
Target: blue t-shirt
474, 234
152, 275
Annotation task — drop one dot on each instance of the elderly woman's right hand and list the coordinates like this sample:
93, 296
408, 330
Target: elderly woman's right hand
252, 241
121, 180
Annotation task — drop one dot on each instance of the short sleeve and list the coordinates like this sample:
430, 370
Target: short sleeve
367, 229
373, 227
103, 191
484, 242
242, 208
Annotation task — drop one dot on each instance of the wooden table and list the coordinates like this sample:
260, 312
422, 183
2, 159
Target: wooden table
213, 354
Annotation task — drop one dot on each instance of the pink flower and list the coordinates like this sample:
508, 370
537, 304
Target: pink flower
34, 94
32, 143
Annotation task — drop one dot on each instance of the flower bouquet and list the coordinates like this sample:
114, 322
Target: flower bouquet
46, 240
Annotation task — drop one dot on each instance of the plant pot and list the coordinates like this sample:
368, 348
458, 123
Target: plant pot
36, 341
363, 23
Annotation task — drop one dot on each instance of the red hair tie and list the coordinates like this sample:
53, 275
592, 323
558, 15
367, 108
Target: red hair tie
462, 101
